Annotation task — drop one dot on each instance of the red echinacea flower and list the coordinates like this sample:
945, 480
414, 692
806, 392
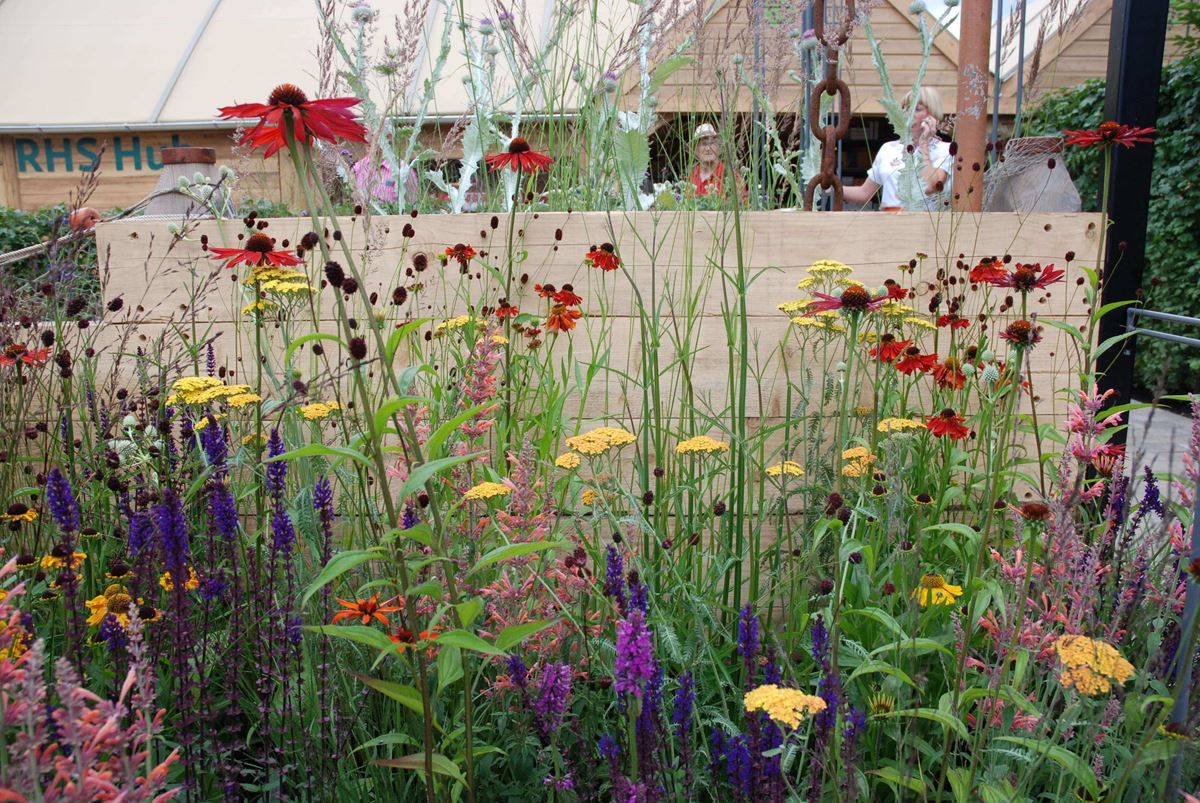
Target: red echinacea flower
1021, 333
853, 299
1027, 276
258, 250
16, 352
889, 348
364, 609
329, 119
947, 424
520, 157
914, 361
1108, 134
605, 257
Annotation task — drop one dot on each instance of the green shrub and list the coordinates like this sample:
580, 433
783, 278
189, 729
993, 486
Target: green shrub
1172, 279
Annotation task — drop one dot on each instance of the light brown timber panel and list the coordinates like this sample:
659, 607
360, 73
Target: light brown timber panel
158, 278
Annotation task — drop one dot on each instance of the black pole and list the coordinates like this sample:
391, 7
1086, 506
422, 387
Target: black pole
1135, 53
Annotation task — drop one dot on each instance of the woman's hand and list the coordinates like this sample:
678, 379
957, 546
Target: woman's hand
927, 132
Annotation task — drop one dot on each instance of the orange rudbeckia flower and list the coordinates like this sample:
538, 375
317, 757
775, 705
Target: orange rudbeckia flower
364, 609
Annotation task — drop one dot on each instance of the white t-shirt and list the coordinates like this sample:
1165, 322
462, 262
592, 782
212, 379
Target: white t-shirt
886, 171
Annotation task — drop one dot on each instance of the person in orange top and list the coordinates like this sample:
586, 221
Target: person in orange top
708, 176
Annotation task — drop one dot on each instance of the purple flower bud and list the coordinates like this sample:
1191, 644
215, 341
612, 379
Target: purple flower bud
634, 663
61, 501
554, 692
276, 472
172, 533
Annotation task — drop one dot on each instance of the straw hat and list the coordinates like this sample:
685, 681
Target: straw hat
704, 131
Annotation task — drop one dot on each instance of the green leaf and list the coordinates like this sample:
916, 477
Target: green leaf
393, 341
433, 446
959, 783
321, 450
467, 641
300, 341
468, 611
871, 666
1069, 328
509, 551
441, 765
386, 739
892, 776
449, 667
360, 634
429, 588
665, 69
404, 694
513, 635
421, 533
1062, 757
338, 565
394, 405
941, 717
882, 617
914, 644
428, 470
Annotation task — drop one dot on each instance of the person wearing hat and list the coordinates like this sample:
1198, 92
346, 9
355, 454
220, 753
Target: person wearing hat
708, 176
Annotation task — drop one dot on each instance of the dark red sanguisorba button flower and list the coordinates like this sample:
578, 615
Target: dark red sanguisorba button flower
259, 249
1108, 134
287, 107
947, 424
520, 157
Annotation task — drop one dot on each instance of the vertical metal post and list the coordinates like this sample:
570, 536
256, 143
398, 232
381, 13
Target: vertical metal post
970, 122
1020, 73
995, 137
1135, 53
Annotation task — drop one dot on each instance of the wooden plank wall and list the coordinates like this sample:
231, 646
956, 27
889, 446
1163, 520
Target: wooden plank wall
670, 258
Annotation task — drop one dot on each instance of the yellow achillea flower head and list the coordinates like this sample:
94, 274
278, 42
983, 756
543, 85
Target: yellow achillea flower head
921, 323
858, 461
261, 305
1090, 666
846, 281
898, 425
318, 410
894, 309
934, 590
242, 399
792, 307
804, 322
567, 460
600, 440
454, 323
486, 490
806, 282
193, 582
202, 390
829, 267
588, 497
789, 467
267, 273
203, 422
701, 443
785, 706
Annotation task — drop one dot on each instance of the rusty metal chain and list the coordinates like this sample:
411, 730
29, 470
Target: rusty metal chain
831, 84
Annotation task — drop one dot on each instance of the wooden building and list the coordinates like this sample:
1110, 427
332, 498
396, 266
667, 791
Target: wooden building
95, 85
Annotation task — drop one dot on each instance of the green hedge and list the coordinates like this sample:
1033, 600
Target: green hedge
1172, 276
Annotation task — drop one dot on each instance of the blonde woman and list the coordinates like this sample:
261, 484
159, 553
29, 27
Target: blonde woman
931, 155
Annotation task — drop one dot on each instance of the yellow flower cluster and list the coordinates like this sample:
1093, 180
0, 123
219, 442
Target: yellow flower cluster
898, 425
567, 460
789, 467
921, 323
858, 461
792, 307
894, 309
203, 389
805, 322
486, 490
318, 410
280, 280
829, 267
193, 582
242, 399
588, 497
600, 440
203, 422
701, 443
114, 600
1090, 665
846, 281
934, 590
456, 323
785, 706
261, 305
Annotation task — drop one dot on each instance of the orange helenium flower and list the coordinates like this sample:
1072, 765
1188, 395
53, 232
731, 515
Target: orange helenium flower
329, 119
16, 352
259, 250
364, 609
948, 424
462, 254
520, 157
605, 257
562, 318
